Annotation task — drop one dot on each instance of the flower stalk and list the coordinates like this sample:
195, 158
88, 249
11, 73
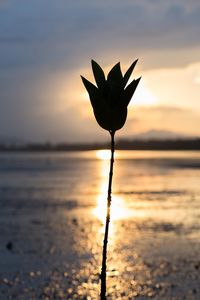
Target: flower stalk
110, 98
105, 241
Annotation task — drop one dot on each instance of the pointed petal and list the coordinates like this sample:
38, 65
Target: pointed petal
115, 85
115, 74
100, 108
92, 91
90, 87
129, 91
98, 74
129, 72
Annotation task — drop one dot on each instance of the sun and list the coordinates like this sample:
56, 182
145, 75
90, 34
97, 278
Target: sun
143, 96
103, 154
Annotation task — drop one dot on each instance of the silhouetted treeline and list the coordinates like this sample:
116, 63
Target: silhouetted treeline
40, 147
182, 144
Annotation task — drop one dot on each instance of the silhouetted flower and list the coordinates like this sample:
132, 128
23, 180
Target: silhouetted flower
111, 96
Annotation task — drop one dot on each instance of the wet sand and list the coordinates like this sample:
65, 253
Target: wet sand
57, 255
52, 249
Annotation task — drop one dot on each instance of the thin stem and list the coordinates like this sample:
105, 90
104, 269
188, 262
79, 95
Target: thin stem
105, 241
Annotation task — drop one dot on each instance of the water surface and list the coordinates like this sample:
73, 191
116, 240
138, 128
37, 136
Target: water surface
53, 211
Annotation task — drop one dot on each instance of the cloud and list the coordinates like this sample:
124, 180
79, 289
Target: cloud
47, 44
175, 86
68, 33
170, 118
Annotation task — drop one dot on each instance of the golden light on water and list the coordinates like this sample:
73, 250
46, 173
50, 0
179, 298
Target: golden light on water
119, 209
103, 154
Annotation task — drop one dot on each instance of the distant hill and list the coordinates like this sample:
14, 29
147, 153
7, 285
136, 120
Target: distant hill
159, 135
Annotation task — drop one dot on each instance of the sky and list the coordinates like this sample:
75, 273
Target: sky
46, 45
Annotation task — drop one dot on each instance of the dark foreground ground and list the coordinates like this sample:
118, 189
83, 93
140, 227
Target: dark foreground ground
51, 227
57, 255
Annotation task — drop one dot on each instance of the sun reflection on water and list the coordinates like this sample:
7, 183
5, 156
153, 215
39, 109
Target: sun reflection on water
103, 154
119, 209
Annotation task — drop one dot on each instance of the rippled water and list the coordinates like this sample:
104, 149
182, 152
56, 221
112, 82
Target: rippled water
52, 214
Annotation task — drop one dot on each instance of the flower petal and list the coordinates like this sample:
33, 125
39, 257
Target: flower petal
101, 110
129, 72
129, 91
92, 90
98, 75
115, 75
90, 87
115, 86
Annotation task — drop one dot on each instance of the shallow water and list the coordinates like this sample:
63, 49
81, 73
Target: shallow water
52, 214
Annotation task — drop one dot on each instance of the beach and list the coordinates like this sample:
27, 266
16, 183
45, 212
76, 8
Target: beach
52, 214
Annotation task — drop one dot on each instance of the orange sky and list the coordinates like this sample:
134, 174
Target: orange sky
45, 47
